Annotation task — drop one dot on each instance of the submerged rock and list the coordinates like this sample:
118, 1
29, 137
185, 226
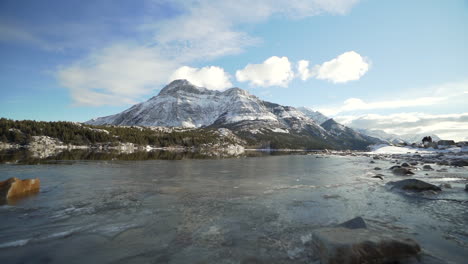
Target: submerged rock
443, 162
377, 168
445, 186
352, 243
357, 222
459, 163
466, 187
414, 185
378, 176
402, 171
15, 188
405, 165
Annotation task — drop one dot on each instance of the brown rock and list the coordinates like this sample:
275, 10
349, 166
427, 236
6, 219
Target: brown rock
16, 188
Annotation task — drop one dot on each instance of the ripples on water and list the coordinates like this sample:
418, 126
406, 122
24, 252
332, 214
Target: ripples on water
241, 210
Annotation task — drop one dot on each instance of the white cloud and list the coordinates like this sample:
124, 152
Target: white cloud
446, 126
353, 104
199, 31
115, 75
211, 77
349, 66
303, 70
274, 71
445, 94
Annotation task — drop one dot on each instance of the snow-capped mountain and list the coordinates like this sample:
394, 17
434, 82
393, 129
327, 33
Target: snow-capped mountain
396, 139
182, 104
318, 117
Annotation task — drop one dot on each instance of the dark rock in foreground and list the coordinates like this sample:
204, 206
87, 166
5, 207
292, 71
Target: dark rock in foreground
16, 188
352, 243
414, 185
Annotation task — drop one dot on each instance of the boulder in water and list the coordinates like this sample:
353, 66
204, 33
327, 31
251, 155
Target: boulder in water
16, 188
414, 185
352, 243
427, 168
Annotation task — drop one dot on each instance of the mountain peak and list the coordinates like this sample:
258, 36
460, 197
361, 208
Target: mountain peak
181, 85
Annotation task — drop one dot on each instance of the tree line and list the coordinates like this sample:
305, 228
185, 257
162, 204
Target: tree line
21, 132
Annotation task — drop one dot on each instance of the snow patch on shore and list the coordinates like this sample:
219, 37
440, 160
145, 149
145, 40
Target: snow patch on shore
387, 149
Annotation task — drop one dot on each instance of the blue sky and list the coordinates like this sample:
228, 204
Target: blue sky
399, 66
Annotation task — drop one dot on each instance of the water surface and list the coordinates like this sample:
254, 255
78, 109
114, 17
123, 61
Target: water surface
238, 210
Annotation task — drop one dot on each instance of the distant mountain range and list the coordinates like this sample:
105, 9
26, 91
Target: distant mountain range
260, 123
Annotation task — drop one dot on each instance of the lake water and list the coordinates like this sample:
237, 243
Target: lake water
237, 210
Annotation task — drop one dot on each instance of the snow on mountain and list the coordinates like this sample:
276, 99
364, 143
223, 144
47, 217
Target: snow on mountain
417, 138
318, 117
182, 104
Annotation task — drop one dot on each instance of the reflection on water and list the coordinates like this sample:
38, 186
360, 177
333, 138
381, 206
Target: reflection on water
243, 210
28, 157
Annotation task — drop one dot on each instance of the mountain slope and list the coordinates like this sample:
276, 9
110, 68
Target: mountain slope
262, 124
347, 136
318, 117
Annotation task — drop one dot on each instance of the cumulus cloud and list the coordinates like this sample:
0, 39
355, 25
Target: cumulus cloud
198, 31
211, 77
274, 71
446, 126
349, 66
